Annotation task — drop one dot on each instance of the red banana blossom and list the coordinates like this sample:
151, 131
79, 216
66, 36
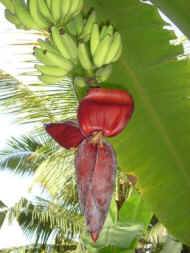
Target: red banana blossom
103, 112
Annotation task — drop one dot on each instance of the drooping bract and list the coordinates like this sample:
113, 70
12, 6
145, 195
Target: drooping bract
95, 169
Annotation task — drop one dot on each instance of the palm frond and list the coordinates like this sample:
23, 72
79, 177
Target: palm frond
56, 173
24, 154
3, 212
37, 103
46, 220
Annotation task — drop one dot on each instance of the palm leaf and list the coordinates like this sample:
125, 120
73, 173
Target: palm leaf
155, 146
50, 173
3, 212
37, 103
24, 154
44, 220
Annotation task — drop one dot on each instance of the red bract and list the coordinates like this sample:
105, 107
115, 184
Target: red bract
67, 134
106, 110
95, 169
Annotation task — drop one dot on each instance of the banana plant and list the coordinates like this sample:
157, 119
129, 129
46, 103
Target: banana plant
154, 147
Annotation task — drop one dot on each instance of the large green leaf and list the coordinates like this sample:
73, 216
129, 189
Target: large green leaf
135, 211
178, 11
156, 143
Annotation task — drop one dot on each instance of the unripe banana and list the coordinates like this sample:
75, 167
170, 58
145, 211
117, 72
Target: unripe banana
51, 70
66, 5
46, 45
95, 38
70, 45
48, 2
118, 54
109, 30
24, 15
84, 57
88, 26
58, 41
56, 9
115, 49
76, 7
75, 26
9, 5
48, 79
13, 19
51, 59
103, 73
103, 32
102, 50
36, 15
44, 10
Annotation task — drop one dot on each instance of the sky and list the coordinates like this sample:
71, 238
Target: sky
12, 61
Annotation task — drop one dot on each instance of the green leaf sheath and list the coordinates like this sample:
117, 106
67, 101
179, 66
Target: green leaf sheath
178, 11
155, 145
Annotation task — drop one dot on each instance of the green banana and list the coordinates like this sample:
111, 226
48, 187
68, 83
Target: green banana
102, 50
115, 49
56, 9
76, 7
95, 38
48, 79
40, 55
46, 45
13, 19
9, 5
78, 21
48, 2
58, 41
103, 73
51, 59
117, 55
84, 57
36, 15
75, 26
103, 32
70, 45
66, 5
110, 30
88, 26
24, 16
44, 10
47, 70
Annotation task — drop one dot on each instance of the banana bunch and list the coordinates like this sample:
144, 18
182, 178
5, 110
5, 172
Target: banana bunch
41, 14
105, 45
58, 56
103, 48
82, 26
